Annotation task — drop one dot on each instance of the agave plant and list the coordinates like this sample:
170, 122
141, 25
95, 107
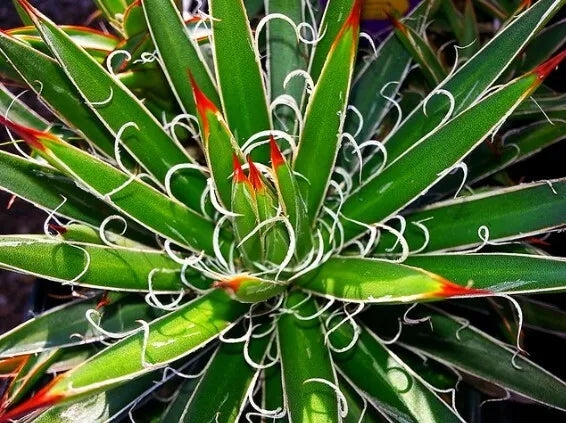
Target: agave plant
270, 224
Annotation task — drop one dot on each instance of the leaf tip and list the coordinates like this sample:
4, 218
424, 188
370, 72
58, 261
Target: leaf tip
44, 398
239, 175
202, 103
31, 136
544, 69
450, 289
254, 177
276, 156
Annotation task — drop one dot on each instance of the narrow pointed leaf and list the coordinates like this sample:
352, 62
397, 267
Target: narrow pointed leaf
244, 205
306, 401
238, 73
218, 142
335, 15
380, 281
55, 90
285, 54
104, 406
386, 382
98, 44
35, 367
321, 134
45, 188
272, 390
107, 267
291, 199
116, 107
413, 173
544, 45
518, 145
15, 110
554, 107
222, 392
390, 63
472, 351
55, 327
169, 338
422, 52
179, 53
498, 273
132, 197
474, 77
176, 407
501, 214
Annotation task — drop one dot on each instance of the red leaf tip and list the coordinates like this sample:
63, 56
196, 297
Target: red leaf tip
255, 177
276, 156
353, 20
545, 68
451, 289
42, 399
31, 136
202, 103
239, 175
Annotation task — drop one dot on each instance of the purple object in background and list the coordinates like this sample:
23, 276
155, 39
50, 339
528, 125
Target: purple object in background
374, 14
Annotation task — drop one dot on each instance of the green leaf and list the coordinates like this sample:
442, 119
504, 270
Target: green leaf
324, 118
219, 144
390, 63
502, 214
421, 51
518, 144
222, 392
129, 194
246, 219
554, 107
498, 273
307, 399
119, 110
168, 338
98, 44
387, 382
112, 9
414, 172
543, 317
45, 188
284, 55
358, 408
28, 375
22, 13
335, 15
55, 327
470, 32
16, 111
472, 80
176, 407
179, 53
291, 200
379, 281
238, 73
89, 265
544, 45
468, 349
103, 406
55, 90
273, 395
